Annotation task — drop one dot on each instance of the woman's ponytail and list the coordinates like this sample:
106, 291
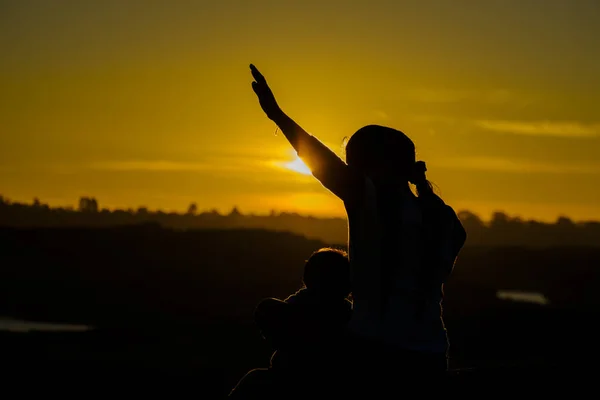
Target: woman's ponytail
419, 179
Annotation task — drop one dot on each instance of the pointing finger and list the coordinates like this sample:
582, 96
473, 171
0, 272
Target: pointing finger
256, 74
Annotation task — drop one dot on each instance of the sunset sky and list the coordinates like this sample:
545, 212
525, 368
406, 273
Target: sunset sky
148, 103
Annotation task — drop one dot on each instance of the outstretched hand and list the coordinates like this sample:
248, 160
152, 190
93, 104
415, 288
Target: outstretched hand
265, 95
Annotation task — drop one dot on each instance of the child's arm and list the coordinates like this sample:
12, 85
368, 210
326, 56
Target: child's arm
325, 165
283, 324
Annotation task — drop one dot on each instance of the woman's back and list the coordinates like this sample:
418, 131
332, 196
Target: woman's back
389, 246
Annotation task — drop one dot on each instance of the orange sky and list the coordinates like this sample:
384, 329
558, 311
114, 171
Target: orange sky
149, 102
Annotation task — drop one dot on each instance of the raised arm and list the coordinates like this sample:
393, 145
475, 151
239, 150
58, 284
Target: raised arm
324, 164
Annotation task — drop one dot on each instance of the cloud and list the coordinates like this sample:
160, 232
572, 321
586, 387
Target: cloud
430, 119
382, 115
541, 128
153, 165
231, 164
494, 96
496, 164
425, 95
228, 165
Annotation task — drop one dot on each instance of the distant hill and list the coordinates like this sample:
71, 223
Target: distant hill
96, 275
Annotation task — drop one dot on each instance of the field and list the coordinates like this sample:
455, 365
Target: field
173, 308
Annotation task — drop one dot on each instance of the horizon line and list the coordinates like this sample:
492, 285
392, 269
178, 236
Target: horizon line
271, 213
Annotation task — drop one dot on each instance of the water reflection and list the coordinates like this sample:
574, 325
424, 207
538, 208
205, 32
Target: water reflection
526, 297
21, 326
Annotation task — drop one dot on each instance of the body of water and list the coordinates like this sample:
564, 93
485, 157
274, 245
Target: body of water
524, 297
21, 326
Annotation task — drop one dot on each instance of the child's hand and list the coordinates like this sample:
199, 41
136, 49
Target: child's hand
265, 95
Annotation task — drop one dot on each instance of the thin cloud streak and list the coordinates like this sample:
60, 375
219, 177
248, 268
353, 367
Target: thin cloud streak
541, 128
496, 96
158, 165
497, 164
222, 165
425, 95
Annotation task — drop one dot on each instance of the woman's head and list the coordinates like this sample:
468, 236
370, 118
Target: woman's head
381, 152
378, 150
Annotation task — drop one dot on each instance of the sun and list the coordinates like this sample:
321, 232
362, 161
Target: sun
298, 165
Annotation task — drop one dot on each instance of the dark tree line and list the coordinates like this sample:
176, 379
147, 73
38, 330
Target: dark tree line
501, 230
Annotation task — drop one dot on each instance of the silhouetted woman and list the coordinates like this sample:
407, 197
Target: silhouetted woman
402, 247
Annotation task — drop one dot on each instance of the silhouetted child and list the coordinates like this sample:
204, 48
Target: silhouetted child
305, 327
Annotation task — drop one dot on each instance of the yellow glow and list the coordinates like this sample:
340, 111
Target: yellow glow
298, 165
319, 203
165, 115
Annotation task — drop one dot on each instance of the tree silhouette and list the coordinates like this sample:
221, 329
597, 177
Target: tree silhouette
192, 209
142, 211
83, 204
501, 230
564, 221
499, 220
87, 204
470, 221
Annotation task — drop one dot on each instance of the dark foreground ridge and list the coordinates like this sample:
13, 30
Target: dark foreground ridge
173, 310
89, 360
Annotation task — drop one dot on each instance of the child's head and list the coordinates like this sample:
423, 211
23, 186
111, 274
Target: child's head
328, 270
382, 152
